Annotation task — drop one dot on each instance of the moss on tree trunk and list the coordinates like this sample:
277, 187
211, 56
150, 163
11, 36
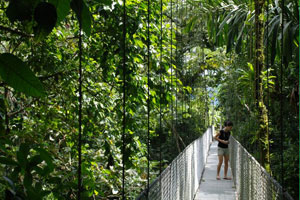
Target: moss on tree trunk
263, 132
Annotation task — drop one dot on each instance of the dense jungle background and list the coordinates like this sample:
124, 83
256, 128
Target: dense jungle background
208, 61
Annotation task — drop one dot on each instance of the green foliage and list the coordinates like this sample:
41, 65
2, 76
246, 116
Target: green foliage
231, 24
83, 15
62, 9
41, 157
20, 10
17, 74
27, 163
39, 136
45, 15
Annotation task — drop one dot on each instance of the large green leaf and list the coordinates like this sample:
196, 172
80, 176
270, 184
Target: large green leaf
226, 20
62, 9
34, 161
45, 15
230, 40
18, 75
239, 17
85, 15
19, 10
288, 41
274, 22
190, 25
45, 155
239, 38
27, 181
22, 155
273, 44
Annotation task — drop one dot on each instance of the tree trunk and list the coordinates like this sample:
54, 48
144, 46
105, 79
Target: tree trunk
263, 131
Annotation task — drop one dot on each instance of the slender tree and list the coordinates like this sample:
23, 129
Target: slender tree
263, 132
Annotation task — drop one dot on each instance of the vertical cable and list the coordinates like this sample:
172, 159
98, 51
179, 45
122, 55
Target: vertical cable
171, 62
177, 60
281, 94
124, 100
148, 99
201, 50
205, 97
182, 89
172, 67
189, 70
160, 95
80, 102
268, 89
186, 96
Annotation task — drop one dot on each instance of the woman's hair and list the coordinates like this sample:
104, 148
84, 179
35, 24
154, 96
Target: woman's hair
228, 123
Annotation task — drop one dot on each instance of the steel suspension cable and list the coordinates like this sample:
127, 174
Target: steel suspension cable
148, 99
161, 92
187, 92
124, 100
182, 90
202, 61
252, 46
281, 93
249, 39
171, 62
268, 89
176, 55
79, 183
171, 90
189, 70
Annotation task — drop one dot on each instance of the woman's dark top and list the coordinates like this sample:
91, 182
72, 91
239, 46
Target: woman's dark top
223, 136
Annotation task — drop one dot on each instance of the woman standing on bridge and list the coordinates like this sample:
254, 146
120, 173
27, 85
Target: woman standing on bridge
223, 151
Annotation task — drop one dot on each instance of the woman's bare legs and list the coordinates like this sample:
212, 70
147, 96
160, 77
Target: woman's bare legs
226, 158
219, 166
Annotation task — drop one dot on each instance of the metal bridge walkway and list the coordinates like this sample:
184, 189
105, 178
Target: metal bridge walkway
210, 188
192, 176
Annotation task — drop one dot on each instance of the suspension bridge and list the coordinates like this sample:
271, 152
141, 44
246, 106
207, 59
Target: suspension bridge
192, 176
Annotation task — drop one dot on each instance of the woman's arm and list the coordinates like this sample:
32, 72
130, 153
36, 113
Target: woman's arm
217, 136
222, 141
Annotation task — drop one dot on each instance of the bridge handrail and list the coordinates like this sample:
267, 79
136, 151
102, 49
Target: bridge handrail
181, 179
252, 181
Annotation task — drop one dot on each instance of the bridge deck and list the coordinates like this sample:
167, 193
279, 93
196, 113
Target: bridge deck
210, 188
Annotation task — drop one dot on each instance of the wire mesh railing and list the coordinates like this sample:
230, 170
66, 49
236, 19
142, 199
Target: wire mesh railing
252, 181
181, 179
